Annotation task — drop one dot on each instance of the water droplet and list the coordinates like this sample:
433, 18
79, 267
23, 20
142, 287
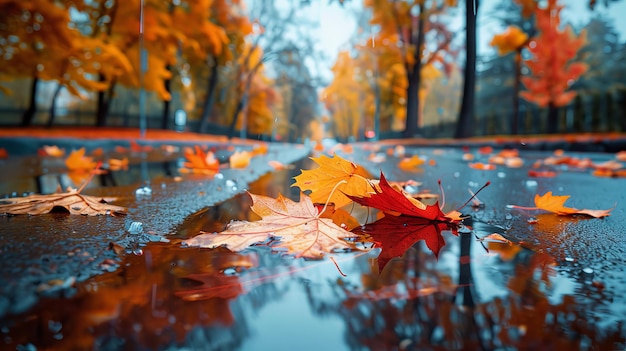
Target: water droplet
569, 259
144, 191
55, 326
457, 174
163, 185
219, 176
508, 216
230, 182
587, 275
501, 175
135, 228
531, 183
472, 184
138, 252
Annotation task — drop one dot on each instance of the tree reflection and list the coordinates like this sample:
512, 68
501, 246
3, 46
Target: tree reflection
167, 296
411, 305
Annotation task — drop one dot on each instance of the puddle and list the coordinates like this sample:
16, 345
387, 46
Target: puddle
535, 292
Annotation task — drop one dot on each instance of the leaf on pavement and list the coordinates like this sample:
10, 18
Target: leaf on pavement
200, 162
397, 202
72, 200
77, 161
296, 226
556, 204
331, 172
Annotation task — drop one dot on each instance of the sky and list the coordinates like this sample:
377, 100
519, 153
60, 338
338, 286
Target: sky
337, 24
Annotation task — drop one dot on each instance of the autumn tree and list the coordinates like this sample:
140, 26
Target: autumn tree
512, 40
342, 98
42, 42
552, 71
422, 37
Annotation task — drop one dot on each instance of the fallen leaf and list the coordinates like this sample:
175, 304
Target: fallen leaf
556, 204
117, 164
409, 163
397, 202
334, 173
260, 150
296, 226
239, 159
77, 161
482, 166
72, 200
541, 174
53, 151
277, 165
200, 162
340, 217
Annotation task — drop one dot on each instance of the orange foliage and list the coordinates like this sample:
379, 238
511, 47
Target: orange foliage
511, 40
551, 66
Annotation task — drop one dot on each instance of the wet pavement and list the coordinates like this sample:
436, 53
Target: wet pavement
559, 285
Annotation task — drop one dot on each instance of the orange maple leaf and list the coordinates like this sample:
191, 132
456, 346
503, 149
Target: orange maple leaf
556, 204
334, 173
77, 161
240, 159
294, 226
200, 162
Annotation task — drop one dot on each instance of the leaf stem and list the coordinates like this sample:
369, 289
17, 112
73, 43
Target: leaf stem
474, 195
329, 196
93, 172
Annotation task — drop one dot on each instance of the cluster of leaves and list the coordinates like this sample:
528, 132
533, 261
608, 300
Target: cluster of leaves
318, 224
306, 230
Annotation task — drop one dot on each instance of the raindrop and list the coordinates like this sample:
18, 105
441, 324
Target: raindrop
587, 275
55, 326
232, 185
219, 176
138, 252
457, 174
135, 228
501, 175
531, 183
144, 191
508, 216
472, 184
569, 259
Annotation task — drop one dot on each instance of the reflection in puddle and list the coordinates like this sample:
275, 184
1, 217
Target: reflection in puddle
501, 296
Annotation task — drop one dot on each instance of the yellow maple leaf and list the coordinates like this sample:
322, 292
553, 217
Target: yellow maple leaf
334, 175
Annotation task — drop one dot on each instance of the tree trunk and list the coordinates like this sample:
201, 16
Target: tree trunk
53, 105
553, 119
103, 104
465, 123
209, 100
414, 75
516, 83
165, 119
29, 114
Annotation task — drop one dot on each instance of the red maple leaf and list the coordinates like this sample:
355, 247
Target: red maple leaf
396, 234
396, 202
